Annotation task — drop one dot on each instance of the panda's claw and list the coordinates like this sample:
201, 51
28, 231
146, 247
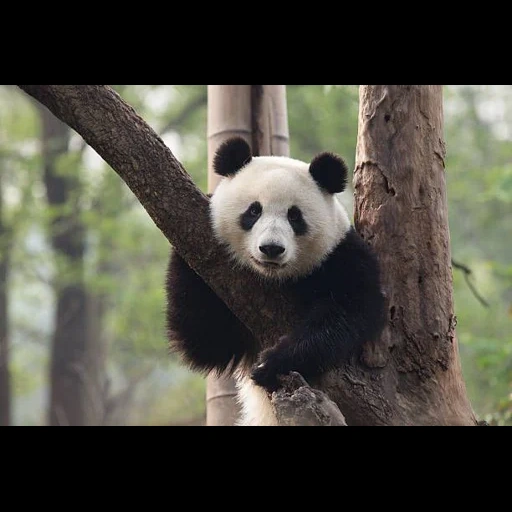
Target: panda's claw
266, 372
267, 380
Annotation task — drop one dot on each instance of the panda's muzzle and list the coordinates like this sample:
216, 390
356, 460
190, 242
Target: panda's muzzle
270, 256
272, 251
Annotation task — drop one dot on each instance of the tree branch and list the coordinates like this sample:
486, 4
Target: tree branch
467, 273
296, 404
163, 187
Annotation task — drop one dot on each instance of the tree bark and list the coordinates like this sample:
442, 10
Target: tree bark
258, 114
5, 387
296, 404
401, 210
75, 392
385, 389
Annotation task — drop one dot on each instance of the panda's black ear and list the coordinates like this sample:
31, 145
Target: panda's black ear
330, 172
231, 156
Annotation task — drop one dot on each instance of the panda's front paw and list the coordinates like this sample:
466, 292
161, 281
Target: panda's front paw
265, 377
266, 372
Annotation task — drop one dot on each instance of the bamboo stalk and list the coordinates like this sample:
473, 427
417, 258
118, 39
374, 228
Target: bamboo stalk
258, 114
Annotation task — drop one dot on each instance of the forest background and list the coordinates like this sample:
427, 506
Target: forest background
125, 255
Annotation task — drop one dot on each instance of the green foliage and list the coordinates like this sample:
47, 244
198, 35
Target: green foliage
323, 118
126, 255
479, 183
138, 256
181, 402
26, 371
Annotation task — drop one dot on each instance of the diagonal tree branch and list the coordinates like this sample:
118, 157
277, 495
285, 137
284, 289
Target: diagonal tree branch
179, 209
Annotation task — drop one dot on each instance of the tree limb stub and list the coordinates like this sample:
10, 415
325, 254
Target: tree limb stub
296, 404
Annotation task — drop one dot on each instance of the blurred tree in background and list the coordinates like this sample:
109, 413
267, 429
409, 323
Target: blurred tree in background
125, 255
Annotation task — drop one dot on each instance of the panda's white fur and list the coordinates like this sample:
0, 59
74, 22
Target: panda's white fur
255, 407
277, 183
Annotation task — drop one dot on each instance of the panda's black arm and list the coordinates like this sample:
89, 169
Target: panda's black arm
344, 308
200, 327
324, 339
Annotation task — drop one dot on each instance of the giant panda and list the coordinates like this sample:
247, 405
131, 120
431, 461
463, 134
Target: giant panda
281, 219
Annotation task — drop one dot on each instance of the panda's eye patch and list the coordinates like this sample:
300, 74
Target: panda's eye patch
297, 221
255, 209
250, 216
294, 214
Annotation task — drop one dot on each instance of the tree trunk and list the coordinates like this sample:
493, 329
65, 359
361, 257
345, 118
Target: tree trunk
258, 114
75, 393
403, 384
5, 387
401, 210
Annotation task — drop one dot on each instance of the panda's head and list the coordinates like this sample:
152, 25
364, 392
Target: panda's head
277, 215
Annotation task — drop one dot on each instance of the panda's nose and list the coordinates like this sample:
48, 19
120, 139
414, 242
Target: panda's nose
272, 250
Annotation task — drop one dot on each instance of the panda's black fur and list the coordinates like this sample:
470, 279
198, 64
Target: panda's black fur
339, 299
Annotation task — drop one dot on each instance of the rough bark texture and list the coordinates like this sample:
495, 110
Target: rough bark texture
75, 394
298, 405
388, 389
401, 210
258, 114
5, 388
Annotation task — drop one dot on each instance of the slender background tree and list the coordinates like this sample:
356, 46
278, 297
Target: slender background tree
258, 114
5, 382
75, 397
